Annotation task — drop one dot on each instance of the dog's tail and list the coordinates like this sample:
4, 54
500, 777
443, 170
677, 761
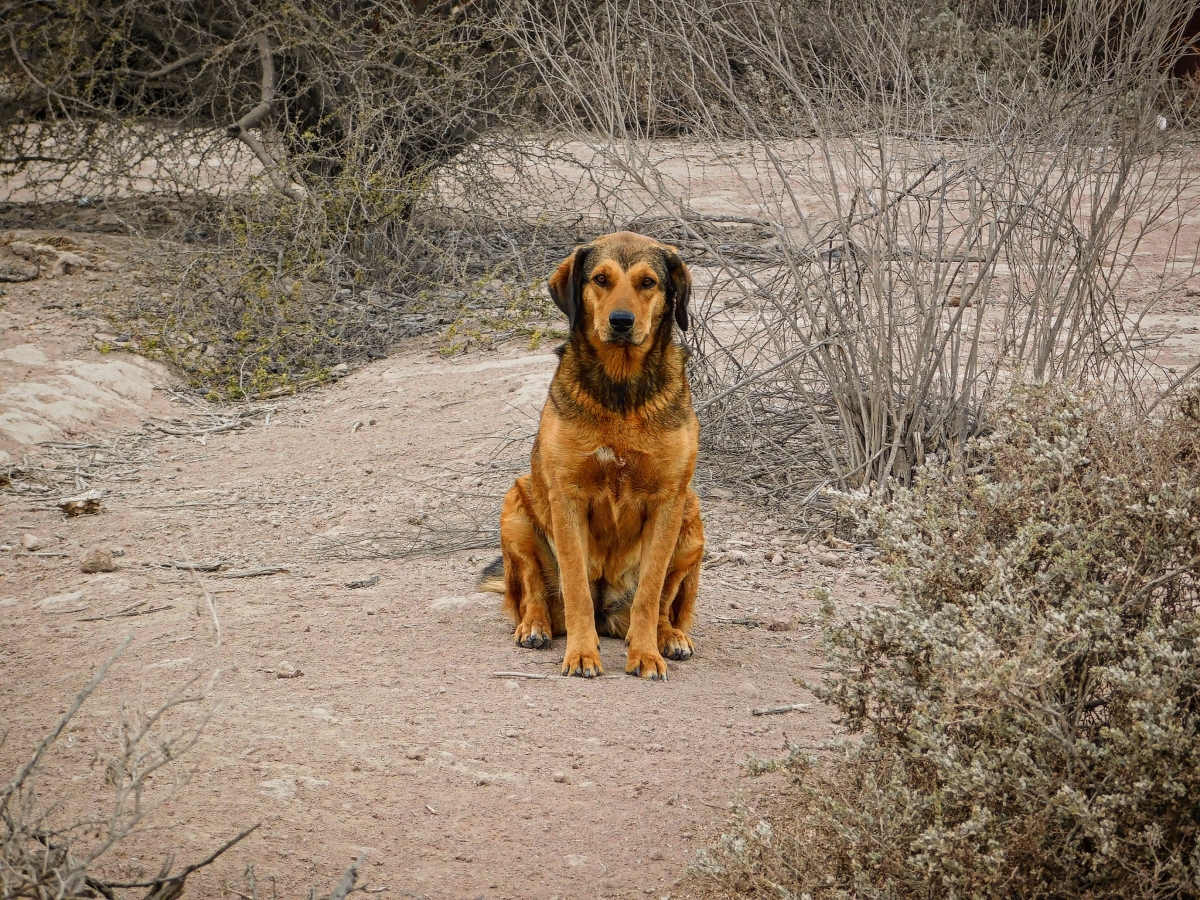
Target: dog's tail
491, 579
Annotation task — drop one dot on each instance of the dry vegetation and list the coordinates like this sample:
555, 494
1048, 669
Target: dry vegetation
1030, 707
325, 179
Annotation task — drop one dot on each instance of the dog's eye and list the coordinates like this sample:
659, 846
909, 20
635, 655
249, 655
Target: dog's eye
601, 280
647, 282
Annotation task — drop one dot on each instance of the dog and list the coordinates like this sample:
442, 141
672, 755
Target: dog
604, 535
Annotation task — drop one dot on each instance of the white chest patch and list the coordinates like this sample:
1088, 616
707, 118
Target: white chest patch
604, 454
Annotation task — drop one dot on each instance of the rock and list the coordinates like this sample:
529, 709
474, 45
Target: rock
780, 625
829, 558
861, 572
738, 556
68, 262
512, 733
777, 559
87, 503
562, 777
286, 670
97, 559
32, 542
656, 855
417, 753
748, 690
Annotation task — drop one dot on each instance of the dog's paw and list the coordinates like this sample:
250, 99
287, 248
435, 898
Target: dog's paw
646, 664
674, 644
585, 663
533, 635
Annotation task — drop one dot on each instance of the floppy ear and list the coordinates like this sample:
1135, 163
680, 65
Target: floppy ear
566, 284
680, 286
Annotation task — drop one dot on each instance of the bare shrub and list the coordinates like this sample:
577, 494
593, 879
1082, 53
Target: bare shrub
49, 853
1030, 707
911, 220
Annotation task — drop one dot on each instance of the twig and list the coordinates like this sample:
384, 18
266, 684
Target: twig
159, 882
190, 566
346, 885
779, 710
254, 573
749, 623
212, 607
127, 612
518, 675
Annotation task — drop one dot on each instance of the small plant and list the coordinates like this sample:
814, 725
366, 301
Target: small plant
1030, 707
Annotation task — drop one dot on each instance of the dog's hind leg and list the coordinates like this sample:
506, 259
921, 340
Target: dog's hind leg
525, 588
681, 586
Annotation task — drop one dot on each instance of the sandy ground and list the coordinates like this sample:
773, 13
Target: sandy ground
398, 737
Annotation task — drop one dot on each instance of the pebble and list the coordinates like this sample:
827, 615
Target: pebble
748, 690
417, 753
777, 559
286, 670
32, 542
656, 855
562, 778
780, 625
97, 559
512, 733
737, 556
829, 558
861, 572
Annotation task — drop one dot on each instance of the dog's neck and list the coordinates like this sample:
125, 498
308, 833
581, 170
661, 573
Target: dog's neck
621, 380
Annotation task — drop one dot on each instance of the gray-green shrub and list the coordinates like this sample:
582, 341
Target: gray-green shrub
1030, 706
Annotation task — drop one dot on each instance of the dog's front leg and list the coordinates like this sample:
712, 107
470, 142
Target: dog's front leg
663, 526
570, 542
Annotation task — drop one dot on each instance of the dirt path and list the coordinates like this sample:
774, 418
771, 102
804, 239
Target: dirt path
397, 737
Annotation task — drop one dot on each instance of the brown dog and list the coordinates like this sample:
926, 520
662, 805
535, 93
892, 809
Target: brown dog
604, 535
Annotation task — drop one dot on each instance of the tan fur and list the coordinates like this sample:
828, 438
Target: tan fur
604, 536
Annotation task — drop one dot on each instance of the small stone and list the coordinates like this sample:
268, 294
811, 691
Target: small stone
562, 778
656, 855
738, 556
780, 625
417, 753
286, 670
748, 690
512, 733
829, 558
861, 572
32, 542
655, 748
98, 559
777, 559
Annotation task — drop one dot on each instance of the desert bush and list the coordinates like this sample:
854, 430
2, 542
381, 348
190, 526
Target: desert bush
1029, 708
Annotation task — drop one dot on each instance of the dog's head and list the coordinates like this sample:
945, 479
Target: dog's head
621, 288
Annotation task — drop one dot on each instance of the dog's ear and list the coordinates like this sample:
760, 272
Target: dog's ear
566, 284
679, 284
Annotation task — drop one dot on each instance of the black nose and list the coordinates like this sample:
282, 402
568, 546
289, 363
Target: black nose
621, 321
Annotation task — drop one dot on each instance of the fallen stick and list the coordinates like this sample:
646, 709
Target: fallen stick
189, 566
128, 612
779, 710
518, 675
253, 573
749, 623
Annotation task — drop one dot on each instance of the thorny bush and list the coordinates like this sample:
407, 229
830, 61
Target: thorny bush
1030, 706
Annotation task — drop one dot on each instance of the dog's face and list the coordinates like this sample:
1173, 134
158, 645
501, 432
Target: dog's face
621, 287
